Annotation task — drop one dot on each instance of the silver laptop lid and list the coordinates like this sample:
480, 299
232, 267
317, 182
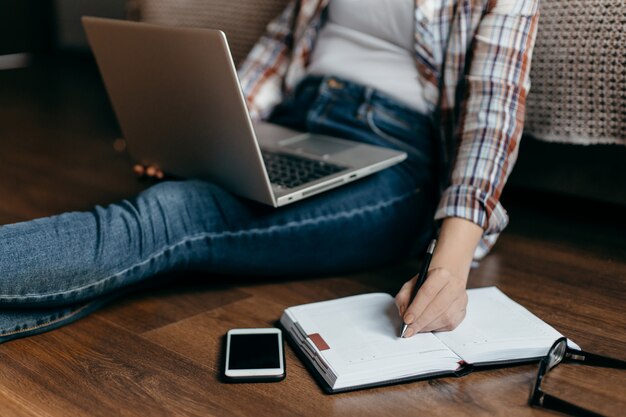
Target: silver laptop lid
175, 89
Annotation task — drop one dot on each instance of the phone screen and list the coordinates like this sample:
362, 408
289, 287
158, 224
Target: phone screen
254, 351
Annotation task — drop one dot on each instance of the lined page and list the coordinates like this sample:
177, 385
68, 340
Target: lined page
361, 334
497, 328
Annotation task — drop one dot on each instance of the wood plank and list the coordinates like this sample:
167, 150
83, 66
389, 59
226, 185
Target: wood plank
588, 387
200, 339
17, 405
177, 297
300, 291
99, 369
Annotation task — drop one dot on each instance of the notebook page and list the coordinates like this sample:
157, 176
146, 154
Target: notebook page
497, 328
360, 343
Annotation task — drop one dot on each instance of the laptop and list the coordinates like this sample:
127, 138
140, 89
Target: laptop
180, 106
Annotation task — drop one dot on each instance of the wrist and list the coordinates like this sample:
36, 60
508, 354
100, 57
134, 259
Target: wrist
456, 245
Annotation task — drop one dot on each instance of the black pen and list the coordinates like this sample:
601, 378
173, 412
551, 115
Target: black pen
421, 278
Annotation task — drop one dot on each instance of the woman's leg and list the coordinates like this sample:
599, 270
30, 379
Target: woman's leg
60, 263
73, 260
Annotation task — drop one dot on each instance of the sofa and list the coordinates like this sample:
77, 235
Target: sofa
575, 133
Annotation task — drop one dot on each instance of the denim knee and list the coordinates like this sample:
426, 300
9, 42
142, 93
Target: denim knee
171, 210
175, 196
79, 255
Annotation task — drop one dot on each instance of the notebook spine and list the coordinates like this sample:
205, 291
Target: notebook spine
306, 343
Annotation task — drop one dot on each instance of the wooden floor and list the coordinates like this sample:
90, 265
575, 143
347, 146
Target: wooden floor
158, 352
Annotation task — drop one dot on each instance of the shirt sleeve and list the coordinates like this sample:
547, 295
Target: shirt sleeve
492, 117
262, 73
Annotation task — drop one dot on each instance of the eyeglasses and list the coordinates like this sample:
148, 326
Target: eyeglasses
557, 354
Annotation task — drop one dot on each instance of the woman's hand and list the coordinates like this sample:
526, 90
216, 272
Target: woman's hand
441, 303
149, 171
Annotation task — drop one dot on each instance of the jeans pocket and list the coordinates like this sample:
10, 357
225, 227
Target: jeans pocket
399, 133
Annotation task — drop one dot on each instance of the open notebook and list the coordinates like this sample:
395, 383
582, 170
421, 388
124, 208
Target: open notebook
352, 343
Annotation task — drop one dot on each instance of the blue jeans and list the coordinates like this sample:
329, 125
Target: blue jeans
55, 270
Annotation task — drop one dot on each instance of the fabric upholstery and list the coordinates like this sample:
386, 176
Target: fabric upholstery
243, 21
578, 74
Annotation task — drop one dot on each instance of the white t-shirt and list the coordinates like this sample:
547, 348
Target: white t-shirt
371, 42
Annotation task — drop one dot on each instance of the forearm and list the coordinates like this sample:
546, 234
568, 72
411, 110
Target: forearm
456, 245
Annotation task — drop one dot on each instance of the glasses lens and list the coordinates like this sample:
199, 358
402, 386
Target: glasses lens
556, 354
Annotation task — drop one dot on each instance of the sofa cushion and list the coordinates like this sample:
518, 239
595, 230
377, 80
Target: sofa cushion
243, 21
578, 73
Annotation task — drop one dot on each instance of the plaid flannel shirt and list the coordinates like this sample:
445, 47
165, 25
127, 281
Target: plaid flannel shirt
473, 59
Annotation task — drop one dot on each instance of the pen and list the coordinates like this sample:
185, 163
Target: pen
421, 278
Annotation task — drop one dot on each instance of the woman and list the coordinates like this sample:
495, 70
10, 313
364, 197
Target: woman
443, 80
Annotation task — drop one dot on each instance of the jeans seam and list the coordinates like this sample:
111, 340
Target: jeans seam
383, 113
48, 323
400, 144
323, 107
212, 235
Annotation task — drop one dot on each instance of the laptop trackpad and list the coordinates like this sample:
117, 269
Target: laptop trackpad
316, 145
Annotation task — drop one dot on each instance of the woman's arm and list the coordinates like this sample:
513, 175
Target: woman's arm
492, 115
490, 128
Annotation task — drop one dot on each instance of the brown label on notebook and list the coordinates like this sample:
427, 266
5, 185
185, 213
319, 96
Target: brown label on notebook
319, 342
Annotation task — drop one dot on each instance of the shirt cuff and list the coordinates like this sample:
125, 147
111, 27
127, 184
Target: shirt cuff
473, 204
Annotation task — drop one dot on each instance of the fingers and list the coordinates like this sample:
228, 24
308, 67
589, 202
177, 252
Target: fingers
449, 319
435, 282
439, 305
139, 170
154, 172
403, 298
150, 171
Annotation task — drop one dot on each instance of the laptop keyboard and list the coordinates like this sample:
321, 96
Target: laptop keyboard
291, 171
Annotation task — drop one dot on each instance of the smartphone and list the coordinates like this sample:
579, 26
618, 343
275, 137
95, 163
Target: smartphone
254, 355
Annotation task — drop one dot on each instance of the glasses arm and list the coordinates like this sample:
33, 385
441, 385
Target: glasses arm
553, 403
593, 359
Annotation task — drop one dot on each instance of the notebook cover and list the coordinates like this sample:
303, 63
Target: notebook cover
462, 371
329, 390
